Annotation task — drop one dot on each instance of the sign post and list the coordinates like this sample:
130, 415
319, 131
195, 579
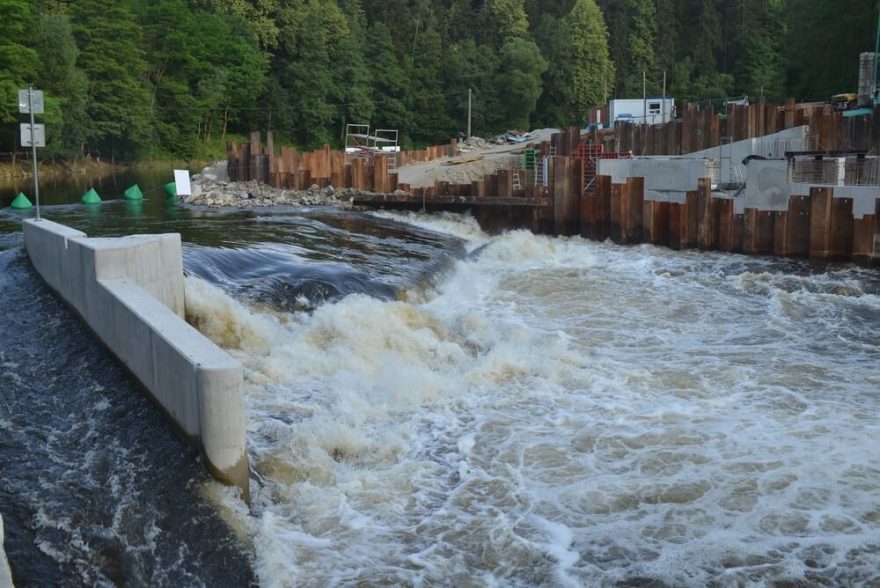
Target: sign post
31, 101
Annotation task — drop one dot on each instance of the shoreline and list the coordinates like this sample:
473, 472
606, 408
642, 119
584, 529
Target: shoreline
23, 169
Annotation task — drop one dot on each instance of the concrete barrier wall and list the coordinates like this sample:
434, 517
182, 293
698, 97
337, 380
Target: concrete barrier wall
130, 292
5, 572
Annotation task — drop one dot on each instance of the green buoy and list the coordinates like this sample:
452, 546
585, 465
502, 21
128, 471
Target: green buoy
171, 188
134, 193
91, 197
21, 202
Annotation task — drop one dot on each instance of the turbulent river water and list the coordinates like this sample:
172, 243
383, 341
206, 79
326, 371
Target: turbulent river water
431, 405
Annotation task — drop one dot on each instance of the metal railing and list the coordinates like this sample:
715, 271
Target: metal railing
842, 171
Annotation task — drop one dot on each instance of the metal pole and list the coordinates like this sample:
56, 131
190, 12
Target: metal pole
663, 116
876, 52
644, 110
34, 150
469, 114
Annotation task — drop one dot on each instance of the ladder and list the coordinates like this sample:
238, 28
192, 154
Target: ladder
517, 184
539, 172
530, 162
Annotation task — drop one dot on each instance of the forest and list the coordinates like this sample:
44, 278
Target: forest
129, 80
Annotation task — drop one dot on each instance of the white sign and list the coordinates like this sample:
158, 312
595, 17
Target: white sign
36, 100
39, 138
181, 180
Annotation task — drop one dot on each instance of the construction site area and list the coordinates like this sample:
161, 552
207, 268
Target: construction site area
757, 178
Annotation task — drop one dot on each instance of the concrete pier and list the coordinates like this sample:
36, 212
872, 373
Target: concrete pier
5, 572
130, 293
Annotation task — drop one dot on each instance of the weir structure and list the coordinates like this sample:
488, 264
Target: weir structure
130, 292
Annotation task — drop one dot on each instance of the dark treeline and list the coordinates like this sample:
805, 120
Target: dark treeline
131, 79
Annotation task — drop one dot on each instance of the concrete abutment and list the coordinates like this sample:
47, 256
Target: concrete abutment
130, 292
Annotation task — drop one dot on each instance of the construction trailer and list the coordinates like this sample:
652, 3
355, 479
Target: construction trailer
653, 111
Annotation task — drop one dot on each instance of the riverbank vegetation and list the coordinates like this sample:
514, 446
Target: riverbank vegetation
126, 80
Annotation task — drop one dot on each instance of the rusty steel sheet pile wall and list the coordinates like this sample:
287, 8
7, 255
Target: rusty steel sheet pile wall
288, 168
818, 224
700, 128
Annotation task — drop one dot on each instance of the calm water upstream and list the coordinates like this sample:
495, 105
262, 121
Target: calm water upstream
430, 405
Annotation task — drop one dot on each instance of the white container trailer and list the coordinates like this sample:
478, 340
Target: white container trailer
659, 110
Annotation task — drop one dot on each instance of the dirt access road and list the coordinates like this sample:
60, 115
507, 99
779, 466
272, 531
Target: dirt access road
489, 159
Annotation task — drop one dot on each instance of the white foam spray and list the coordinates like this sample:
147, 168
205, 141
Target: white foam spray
560, 412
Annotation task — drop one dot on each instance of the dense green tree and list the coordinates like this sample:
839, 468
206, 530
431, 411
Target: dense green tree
388, 82
508, 18
353, 74
754, 45
472, 66
64, 84
426, 96
113, 60
632, 30
18, 59
130, 79
201, 63
519, 80
666, 40
314, 93
825, 38
582, 71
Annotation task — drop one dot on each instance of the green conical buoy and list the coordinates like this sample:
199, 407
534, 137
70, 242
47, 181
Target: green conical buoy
134, 193
21, 202
91, 197
171, 188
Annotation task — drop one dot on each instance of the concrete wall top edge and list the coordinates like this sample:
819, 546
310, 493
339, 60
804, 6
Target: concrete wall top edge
177, 333
124, 242
55, 228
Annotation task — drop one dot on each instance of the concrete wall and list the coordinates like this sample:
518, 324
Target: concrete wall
768, 188
129, 291
667, 179
5, 572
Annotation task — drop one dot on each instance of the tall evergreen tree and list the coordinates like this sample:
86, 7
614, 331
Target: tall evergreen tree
18, 59
426, 96
519, 80
353, 74
472, 66
388, 82
314, 93
582, 72
112, 58
632, 28
825, 38
508, 18
64, 84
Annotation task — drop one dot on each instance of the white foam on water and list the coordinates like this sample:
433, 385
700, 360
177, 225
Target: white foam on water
560, 412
